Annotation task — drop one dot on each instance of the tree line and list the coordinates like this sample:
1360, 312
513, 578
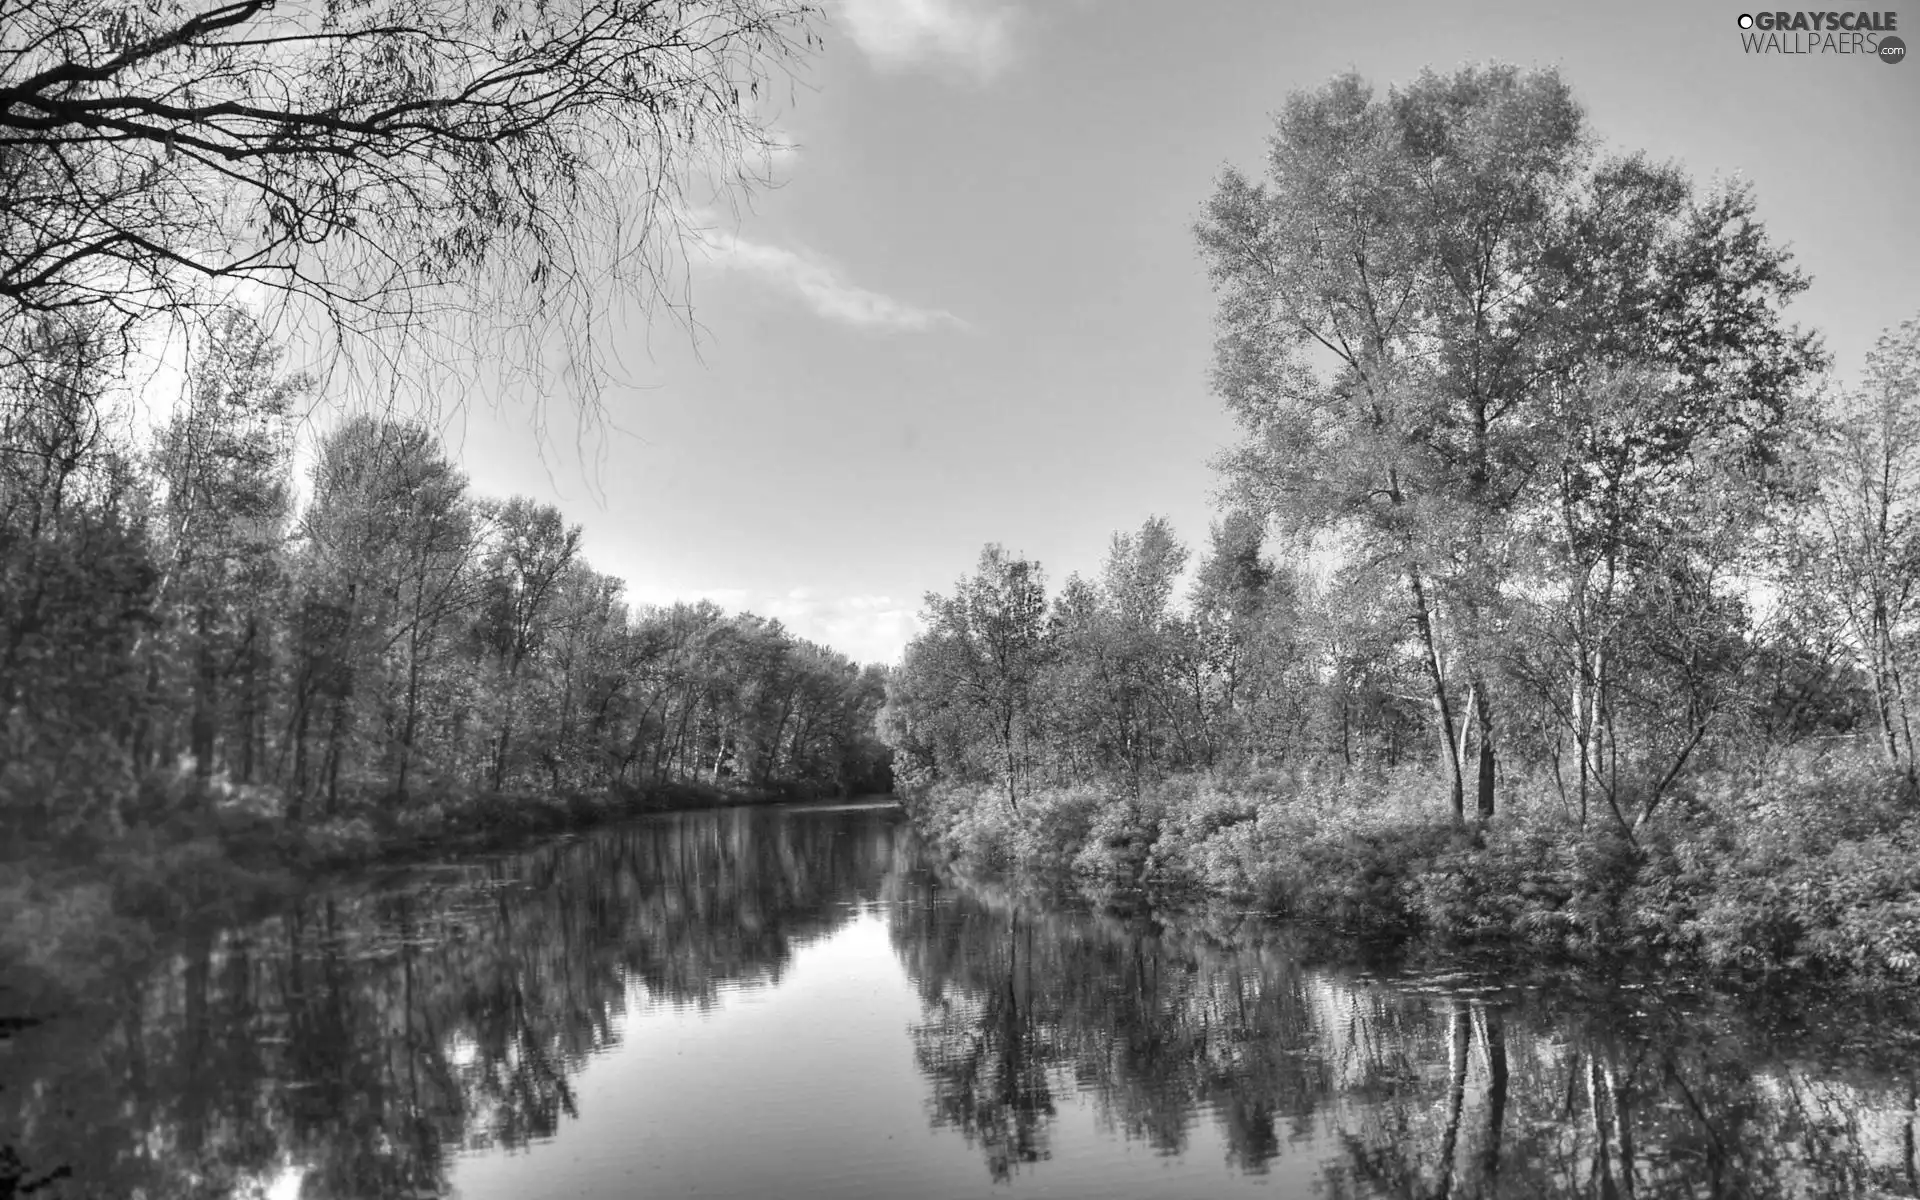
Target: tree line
177, 608
1538, 489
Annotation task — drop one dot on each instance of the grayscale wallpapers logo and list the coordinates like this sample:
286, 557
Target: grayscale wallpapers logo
1823, 33
1869, 34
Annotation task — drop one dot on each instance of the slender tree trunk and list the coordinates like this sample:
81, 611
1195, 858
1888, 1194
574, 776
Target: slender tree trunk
1494, 1029
1483, 711
252, 711
1465, 748
1882, 685
1602, 1179
501, 743
410, 723
198, 1039
202, 724
1443, 709
302, 718
1582, 731
1346, 727
1459, 1047
1912, 1156
336, 746
1622, 1128
771, 762
1006, 744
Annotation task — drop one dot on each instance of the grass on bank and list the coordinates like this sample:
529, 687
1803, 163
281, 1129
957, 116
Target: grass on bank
1807, 866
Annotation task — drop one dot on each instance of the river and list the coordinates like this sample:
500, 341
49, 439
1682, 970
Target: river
793, 1002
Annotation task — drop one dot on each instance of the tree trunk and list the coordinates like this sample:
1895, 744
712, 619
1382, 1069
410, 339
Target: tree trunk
1582, 730
1459, 1046
1443, 709
1483, 711
336, 743
411, 723
500, 746
201, 726
1006, 743
1494, 1030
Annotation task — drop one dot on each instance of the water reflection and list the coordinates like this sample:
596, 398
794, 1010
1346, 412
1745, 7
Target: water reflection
369, 1033
1394, 1087
391, 1038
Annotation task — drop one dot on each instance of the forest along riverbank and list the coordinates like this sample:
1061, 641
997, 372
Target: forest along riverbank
1564, 591
76, 909
1804, 869
605, 1009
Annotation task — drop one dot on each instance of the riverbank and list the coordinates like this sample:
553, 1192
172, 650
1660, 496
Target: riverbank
75, 911
1806, 868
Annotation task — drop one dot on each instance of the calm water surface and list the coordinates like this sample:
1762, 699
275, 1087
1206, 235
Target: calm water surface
791, 1003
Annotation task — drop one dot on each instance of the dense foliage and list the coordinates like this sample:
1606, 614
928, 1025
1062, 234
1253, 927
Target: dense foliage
1547, 527
182, 626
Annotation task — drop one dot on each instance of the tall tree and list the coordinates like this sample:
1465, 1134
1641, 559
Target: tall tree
224, 464
1408, 303
986, 645
1379, 304
1864, 549
532, 547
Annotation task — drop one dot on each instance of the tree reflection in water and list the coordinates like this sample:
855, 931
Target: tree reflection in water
370, 1033
1394, 1087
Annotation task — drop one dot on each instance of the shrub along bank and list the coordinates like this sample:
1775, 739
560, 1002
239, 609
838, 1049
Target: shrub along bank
1809, 866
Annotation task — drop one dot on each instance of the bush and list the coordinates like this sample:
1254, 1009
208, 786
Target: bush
1808, 863
1366, 882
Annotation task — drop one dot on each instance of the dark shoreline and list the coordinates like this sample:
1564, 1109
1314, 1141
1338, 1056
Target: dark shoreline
73, 915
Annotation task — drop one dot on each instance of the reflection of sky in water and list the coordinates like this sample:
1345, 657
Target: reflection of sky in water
810, 1088
810, 1084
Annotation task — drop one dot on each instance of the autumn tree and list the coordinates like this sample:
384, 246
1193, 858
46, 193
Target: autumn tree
1377, 302
982, 655
529, 552
224, 465
1862, 555
1413, 303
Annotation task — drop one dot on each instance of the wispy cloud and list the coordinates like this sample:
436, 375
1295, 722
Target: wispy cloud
975, 35
820, 285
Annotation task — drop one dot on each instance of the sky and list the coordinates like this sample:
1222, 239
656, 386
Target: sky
972, 310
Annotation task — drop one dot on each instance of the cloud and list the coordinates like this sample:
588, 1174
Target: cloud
896, 34
820, 285
865, 628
